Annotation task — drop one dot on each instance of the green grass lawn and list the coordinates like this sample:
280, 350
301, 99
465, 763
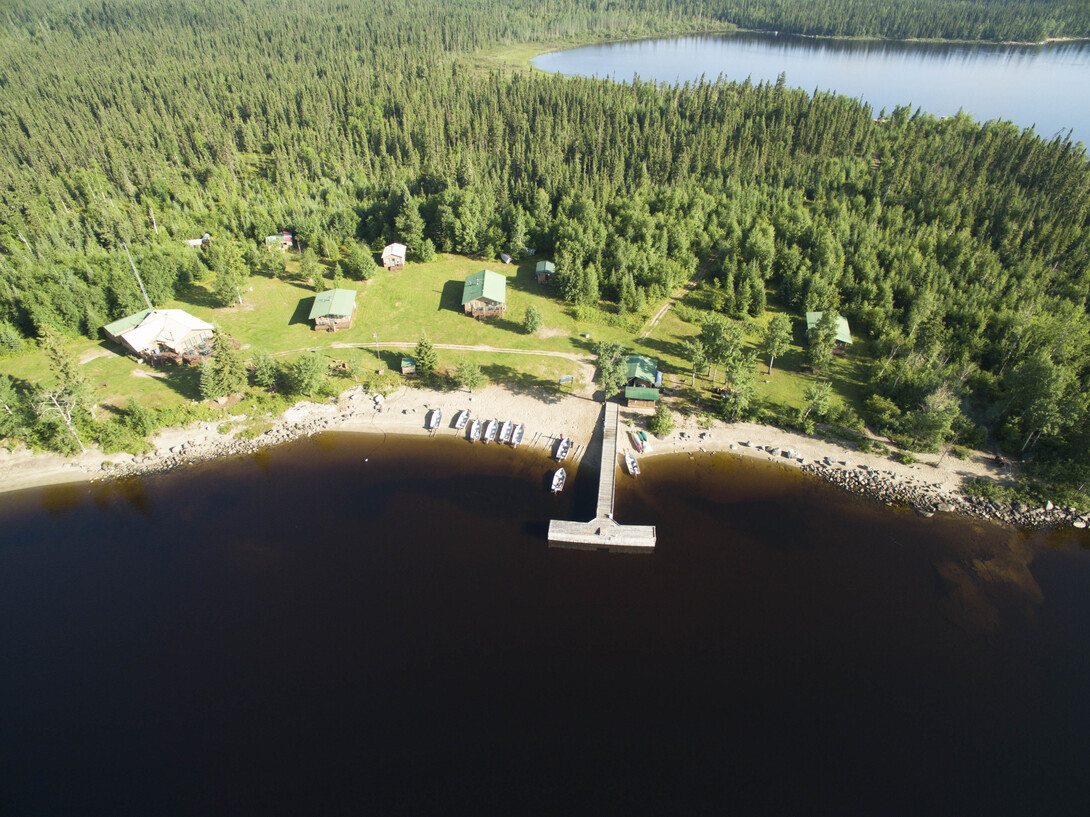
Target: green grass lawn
399, 306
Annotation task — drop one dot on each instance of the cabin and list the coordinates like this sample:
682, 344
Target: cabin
484, 294
545, 270
843, 333
157, 335
199, 243
393, 256
642, 382
283, 242
333, 309
408, 365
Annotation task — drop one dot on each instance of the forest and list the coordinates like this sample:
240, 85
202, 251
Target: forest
961, 250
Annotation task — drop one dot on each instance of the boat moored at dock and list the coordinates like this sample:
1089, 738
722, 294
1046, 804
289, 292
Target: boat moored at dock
559, 478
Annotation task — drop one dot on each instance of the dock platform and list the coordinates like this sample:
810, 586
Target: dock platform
604, 532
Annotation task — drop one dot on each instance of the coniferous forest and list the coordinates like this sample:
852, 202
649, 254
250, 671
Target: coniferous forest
961, 250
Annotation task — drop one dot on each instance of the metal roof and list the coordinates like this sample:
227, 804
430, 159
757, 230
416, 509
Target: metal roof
640, 366
843, 334
485, 284
125, 324
168, 327
545, 267
339, 303
637, 393
394, 249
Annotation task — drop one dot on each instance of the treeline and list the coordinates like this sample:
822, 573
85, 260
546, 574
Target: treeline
962, 250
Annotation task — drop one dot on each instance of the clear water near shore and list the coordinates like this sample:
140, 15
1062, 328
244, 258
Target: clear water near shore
352, 623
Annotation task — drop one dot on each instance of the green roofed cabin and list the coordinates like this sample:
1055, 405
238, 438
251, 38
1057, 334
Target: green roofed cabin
484, 294
545, 270
408, 365
843, 334
333, 309
641, 381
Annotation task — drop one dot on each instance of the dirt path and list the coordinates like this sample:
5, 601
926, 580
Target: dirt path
677, 295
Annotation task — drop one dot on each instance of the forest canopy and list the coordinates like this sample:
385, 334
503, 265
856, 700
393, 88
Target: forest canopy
962, 250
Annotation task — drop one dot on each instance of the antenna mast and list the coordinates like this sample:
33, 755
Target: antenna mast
143, 291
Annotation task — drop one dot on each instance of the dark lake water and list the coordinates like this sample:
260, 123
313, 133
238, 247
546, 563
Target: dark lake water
307, 632
1045, 87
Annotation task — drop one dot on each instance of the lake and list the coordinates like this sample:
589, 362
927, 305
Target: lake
1046, 87
356, 625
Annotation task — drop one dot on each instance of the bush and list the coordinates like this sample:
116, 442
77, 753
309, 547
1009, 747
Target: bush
906, 458
662, 423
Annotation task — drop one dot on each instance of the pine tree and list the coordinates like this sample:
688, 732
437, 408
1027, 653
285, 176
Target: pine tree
427, 359
227, 365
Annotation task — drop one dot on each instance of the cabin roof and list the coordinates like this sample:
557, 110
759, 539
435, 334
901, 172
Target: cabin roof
843, 334
545, 267
407, 362
639, 393
485, 284
125, 324
395, 249
640, 366
166, 326
338, 303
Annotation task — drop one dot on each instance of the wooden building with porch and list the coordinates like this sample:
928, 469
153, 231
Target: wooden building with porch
484, 294
333, 309
161, 335
393, 256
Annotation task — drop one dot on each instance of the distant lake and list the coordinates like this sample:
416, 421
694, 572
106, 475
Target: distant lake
353, 625
1045, 87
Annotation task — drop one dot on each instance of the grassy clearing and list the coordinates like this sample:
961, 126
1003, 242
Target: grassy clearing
398, 306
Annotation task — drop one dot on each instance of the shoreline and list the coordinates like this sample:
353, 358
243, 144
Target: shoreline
933, 485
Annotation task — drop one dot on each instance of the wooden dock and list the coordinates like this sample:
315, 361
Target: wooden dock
604, 532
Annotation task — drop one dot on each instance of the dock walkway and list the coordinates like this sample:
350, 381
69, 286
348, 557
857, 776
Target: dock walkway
604, 532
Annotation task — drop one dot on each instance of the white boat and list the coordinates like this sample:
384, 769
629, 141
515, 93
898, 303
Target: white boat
505, 431
563, 448
558, 480
631, 464
436, 419
475, 431
461, 419
490, 431
517, 435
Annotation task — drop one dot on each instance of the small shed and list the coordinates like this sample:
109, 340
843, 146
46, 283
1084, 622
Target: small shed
484, 294
163, 334
639, 397
283, 242
641, 372
843, 333
333, 309
545, 270
408, 365
393, 256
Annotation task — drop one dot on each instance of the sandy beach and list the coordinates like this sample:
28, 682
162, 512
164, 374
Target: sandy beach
547, 416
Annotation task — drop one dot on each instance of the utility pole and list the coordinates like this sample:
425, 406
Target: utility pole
143, 291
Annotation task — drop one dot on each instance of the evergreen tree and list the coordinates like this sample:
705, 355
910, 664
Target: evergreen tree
427, 359
533, 321
209, 385
227, 365
266, 372
307, 373
662, 422
468, 375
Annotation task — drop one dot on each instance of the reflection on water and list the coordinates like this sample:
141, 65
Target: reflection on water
1046, 87
351, 624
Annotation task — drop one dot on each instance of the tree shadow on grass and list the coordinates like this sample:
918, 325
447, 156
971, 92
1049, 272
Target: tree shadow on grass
199, 296
662, 346
523, 383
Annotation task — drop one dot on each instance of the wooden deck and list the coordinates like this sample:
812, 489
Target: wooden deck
604, 532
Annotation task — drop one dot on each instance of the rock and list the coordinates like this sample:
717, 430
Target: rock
944, 507
1049, 506
1078, 523
775, 452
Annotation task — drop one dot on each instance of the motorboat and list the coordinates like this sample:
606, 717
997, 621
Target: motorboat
559, 478
461, 418
517, 435
490, 429
562, 448
475, 431
505, 431
631, 464
436, 419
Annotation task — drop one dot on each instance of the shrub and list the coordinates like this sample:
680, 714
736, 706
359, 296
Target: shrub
906, 458
662, 422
